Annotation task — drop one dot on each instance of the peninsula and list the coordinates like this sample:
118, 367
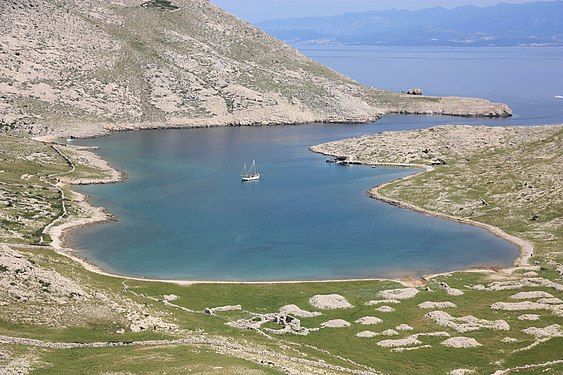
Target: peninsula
83, 68
89, 67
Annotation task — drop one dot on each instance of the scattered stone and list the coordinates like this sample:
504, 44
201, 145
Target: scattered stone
527, 305
23, 281
409, 341
404, 327
436, 305
553, 330
466, 323
385, 309
461, 342
531, 295
215, 310
296, 311
389, 332
550, 301
461, 371
530, 274
399, 294
329, 302
288, 323
335, 323
451, 291
366, 334
529, 317
369, 320
170, 297
144, 322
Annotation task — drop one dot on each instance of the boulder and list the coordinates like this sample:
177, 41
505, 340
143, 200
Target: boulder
414, 91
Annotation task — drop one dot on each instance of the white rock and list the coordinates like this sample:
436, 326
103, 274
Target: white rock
329, 302
461, 342
170, 297
369, 320
295, 310
225, 308
461, 371
529, 317
404, 327
409, 341
385, 309
436, 305
335, 323
389, 332
550, 301
466, 323
553, 330
405, 293
531, 295
366, 334
524, 305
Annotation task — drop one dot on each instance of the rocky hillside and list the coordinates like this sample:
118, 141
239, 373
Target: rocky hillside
72, 67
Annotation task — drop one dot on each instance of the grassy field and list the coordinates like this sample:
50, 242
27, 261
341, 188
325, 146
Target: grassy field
50, 297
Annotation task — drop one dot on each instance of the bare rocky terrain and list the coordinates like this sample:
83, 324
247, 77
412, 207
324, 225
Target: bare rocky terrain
87, 67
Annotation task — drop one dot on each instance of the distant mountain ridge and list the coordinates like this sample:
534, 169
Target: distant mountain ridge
530, 24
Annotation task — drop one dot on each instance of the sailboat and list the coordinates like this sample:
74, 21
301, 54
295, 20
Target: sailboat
250, 174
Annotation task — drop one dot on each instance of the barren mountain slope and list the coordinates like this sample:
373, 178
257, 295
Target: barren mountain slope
85, 67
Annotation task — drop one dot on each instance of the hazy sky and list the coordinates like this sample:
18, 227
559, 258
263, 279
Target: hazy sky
259, 10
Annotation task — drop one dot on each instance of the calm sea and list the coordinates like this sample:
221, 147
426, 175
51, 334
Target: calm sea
184, 213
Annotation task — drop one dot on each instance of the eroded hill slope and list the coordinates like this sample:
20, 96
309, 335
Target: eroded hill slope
85, 67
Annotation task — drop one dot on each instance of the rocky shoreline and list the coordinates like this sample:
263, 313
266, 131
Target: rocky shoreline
100, 215
423, 148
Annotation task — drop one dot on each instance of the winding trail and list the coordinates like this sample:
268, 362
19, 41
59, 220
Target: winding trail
59, 188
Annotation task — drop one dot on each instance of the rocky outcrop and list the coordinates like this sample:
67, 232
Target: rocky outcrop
414, 91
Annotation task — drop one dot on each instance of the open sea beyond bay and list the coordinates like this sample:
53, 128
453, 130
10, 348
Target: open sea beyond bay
184, 213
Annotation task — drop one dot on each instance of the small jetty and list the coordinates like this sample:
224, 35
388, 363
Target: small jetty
342, 160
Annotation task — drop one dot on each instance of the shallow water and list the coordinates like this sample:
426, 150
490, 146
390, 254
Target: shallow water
185, 214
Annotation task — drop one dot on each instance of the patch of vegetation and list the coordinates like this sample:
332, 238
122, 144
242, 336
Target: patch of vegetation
160, 4
7, 126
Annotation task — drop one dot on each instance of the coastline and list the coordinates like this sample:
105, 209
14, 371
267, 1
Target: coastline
100, 215
525, 248
289, 115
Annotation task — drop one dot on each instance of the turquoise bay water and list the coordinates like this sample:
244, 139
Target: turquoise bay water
184, 213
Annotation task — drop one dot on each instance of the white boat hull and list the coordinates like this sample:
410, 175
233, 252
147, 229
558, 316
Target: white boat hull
253, 177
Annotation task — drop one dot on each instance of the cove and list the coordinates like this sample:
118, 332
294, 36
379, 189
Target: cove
185, 214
